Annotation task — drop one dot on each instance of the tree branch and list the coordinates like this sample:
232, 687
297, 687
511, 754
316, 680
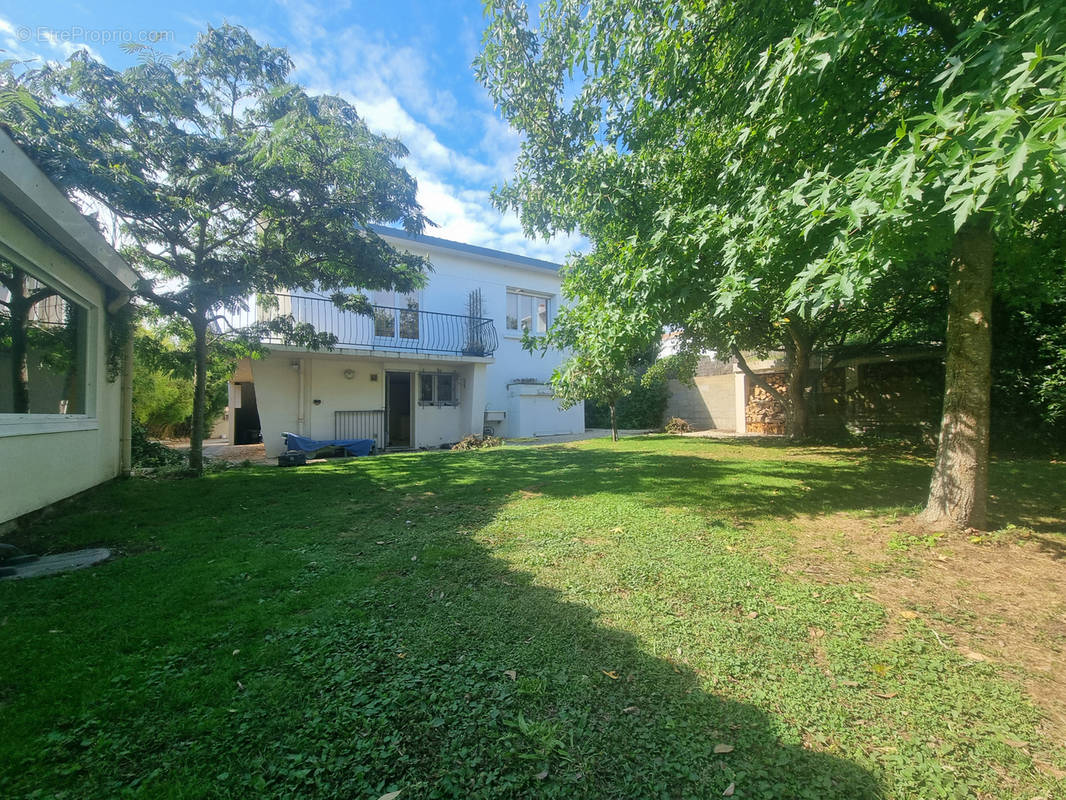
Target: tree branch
759, 380
40, 295
926, 13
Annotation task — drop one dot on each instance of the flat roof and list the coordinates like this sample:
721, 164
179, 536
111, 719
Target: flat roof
33, 196
511, 259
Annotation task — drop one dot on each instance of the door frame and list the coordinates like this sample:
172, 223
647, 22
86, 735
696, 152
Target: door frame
410, 409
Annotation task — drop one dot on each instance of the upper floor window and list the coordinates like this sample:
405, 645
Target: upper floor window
527, 311
43, 345
397, 312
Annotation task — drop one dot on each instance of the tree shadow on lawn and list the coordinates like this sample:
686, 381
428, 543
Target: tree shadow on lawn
320, 644
338, 631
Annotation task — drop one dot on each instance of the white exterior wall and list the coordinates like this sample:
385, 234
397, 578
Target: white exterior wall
485, 383
277, 385
454, 275
46, 457
532, 411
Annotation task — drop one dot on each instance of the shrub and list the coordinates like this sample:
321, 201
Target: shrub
148, 454
643, 407
677, 425
473, 442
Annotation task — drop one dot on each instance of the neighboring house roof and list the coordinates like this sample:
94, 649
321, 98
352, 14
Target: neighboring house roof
32, 195
487, 253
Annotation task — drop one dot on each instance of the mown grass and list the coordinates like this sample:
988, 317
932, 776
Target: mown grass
590, 620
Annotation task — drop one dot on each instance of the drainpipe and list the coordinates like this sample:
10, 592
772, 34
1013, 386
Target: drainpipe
125, 435
126, 430
300, 403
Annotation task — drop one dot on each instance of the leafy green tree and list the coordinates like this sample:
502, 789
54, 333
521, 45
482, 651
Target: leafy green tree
228, 180
642, 156
23, 294
976, 176
600, 368
745, 166
584, 377
164, 374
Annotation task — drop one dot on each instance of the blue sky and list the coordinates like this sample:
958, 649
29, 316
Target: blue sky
405, 65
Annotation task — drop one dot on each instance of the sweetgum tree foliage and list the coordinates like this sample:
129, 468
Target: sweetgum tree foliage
228, 180
632, 112
749, 166
978, 174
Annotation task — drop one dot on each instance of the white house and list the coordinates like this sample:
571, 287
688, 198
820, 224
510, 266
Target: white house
64, 416
425, 370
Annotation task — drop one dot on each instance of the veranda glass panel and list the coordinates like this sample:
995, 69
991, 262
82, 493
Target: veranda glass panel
43, 343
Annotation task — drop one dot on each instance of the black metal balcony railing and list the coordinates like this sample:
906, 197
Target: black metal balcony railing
385, 329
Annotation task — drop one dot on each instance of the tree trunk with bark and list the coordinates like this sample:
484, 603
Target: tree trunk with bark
958, 492
196, 435
614, 424
19, 306
20, 373
798, 348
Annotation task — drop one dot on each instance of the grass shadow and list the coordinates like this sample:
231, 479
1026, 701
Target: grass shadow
340, 632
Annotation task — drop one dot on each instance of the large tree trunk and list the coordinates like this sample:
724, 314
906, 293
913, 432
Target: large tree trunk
798, 360
19, 306
20, 373
959, 489
196, 435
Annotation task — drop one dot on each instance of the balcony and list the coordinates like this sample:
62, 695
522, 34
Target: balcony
396, 329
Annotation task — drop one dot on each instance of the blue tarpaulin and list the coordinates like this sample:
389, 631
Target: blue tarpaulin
353, 447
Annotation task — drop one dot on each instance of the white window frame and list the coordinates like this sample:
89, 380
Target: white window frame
29, 424
399, 301
518, 331
435, 401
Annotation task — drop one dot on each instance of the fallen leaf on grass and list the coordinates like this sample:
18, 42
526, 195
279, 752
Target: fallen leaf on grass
753, 614
630, 710
510, 673
908, 614
391, 795
541, 775
612, 674
884, 695
729, 790
849, 683
723, 748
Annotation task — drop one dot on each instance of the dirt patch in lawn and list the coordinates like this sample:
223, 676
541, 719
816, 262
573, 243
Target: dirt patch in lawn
1001, 598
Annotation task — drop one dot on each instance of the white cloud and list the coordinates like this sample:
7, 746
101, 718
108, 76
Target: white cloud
391, 86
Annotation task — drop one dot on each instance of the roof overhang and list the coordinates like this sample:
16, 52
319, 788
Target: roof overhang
484, 253
32, 195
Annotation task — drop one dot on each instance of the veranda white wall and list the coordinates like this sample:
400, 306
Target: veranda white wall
46, 457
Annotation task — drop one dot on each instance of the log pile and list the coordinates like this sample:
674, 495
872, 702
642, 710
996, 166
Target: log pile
763, 413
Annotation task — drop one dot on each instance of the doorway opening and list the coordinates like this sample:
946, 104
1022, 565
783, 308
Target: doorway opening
398, 404
246, 426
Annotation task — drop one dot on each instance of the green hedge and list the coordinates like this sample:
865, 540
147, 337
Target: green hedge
642, 408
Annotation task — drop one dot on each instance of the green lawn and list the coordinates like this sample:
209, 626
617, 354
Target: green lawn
590, 620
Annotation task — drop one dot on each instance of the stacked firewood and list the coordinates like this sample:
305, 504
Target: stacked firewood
764, 414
